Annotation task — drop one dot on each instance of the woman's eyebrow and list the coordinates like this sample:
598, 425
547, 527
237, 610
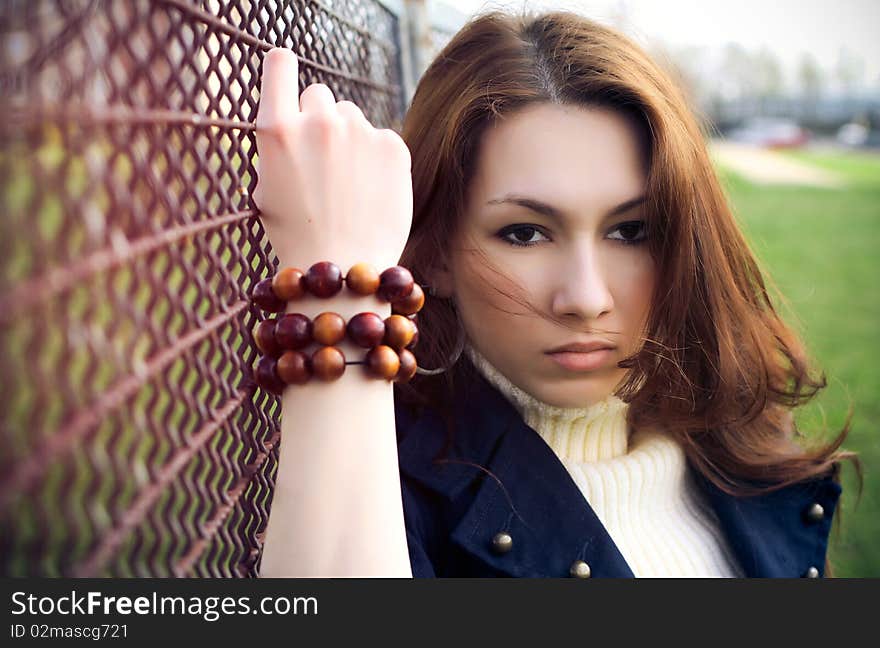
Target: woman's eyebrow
557, 214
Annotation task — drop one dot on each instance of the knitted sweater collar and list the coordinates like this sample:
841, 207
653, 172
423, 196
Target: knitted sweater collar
597, 432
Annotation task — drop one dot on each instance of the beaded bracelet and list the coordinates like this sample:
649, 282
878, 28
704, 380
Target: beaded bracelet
324, 279
328, 363
280, 338
294, 331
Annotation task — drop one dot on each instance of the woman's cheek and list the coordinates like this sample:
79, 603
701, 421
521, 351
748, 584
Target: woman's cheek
641, 289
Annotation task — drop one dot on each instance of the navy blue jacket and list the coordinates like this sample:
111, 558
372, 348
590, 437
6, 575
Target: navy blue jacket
453, 509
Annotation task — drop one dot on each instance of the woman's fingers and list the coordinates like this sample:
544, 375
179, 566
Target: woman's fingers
279, 88
352, 111
325, 176
316, 98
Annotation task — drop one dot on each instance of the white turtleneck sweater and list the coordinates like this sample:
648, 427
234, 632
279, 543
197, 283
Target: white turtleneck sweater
639, 484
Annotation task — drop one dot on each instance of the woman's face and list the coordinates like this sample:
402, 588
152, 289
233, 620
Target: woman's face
556, 205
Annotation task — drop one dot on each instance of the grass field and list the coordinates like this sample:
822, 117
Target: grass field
822, 249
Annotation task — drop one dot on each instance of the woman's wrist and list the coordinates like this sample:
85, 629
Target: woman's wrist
345, 304
344, 261
326, 318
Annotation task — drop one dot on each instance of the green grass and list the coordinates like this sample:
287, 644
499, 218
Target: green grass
820, 247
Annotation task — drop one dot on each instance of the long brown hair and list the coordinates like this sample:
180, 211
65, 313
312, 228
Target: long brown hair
719, 369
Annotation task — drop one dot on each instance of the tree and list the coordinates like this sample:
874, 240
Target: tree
767, 80
810, 82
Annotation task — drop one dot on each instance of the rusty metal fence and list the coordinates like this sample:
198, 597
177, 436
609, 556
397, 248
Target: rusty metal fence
133, 441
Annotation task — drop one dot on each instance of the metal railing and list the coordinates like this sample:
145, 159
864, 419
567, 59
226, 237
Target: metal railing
133, 440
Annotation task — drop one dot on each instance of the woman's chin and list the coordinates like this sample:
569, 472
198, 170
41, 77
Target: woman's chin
571, 396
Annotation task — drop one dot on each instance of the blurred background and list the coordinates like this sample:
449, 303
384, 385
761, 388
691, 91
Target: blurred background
789, 96
782, 74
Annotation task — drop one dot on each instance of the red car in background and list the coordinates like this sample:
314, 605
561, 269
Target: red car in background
771, 133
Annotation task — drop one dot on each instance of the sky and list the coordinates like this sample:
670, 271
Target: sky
788, 28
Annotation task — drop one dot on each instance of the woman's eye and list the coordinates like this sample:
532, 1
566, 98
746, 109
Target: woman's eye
523, 235
631, 232
627, 233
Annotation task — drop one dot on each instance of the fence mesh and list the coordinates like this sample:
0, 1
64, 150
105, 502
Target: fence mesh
133, 441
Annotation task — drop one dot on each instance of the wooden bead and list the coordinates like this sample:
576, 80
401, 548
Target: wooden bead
323, 279
382, 362
363, 279
293, 368
366, 329
408, 367
399, 331
328, 329
293, 331
267, 377
410, 304
287, 284
264, 336
264, 297
395, 284
328, 363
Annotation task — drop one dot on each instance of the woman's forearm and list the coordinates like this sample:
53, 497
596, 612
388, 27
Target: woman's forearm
333, 187
336, 509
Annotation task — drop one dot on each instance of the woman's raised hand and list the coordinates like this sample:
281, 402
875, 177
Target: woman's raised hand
330, 186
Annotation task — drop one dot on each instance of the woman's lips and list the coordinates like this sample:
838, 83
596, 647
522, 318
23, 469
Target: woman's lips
582, 361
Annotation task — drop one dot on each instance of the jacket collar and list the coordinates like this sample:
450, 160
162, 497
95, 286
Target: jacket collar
534, 499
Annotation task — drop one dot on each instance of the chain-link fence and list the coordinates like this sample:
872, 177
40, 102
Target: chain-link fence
133, 441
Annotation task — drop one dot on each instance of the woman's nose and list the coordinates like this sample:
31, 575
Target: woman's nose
582, 289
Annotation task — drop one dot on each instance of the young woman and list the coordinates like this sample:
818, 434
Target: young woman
605, 388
